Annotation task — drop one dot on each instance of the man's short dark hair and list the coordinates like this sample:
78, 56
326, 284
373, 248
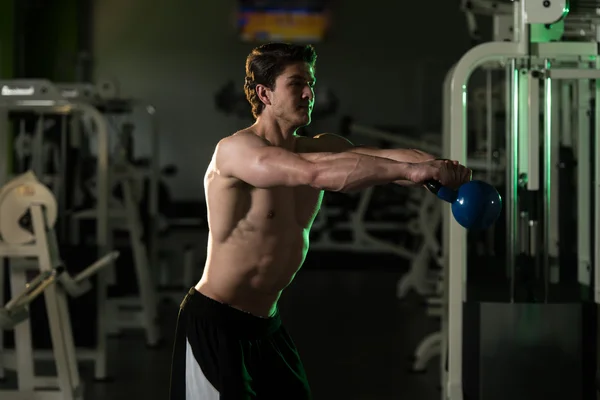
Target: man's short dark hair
265, 63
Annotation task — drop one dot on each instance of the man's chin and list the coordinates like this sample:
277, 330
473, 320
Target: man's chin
300, 121
305, 120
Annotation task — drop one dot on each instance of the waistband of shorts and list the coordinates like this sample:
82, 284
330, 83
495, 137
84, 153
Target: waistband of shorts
241, 322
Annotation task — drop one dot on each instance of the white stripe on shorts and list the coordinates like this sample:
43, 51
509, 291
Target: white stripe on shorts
197, 386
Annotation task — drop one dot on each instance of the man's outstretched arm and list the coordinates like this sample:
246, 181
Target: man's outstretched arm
334, 143
251, 159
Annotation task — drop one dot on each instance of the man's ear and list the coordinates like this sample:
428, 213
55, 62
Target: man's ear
264, 94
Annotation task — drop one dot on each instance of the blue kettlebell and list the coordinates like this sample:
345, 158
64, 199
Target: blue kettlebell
476, 205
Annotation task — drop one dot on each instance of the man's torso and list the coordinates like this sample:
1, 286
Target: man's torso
258, 238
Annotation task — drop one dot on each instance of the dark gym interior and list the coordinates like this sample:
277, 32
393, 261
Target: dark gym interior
164, 80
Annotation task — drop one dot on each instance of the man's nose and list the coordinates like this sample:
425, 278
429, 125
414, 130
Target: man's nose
308, 93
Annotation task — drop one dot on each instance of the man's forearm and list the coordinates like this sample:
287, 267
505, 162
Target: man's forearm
349, 171
400, 155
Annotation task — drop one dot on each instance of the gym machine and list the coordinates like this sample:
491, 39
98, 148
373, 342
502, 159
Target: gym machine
41, 97
424, 276
493, 171
532, 332
16, 310
28, 212
128, 311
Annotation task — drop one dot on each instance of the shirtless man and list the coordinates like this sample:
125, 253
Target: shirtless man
263, 189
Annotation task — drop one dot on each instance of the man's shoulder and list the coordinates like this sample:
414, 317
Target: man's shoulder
241, 138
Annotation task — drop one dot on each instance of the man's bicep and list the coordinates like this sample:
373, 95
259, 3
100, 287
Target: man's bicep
261, 165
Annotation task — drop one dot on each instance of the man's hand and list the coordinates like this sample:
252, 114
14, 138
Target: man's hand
449, 173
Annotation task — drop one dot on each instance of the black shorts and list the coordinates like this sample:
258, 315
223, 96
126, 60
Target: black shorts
223, 353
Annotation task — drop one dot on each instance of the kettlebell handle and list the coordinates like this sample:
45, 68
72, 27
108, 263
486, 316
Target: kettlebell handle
441, 191
433, 186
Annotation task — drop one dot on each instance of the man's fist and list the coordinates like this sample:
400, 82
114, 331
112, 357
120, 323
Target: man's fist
449, 173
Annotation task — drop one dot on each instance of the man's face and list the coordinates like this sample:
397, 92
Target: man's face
293, 96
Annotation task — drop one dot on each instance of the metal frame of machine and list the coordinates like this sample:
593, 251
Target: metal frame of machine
527, 62
45, 97
30, 244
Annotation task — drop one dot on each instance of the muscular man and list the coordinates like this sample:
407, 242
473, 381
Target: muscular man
263, 189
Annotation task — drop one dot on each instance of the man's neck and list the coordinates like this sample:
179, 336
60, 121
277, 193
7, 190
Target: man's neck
278, 134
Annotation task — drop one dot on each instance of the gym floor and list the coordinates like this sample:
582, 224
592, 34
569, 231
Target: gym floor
354, 335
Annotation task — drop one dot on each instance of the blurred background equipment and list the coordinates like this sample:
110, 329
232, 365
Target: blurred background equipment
110, 112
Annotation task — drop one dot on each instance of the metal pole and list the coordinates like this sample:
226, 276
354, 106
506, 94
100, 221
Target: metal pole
584, 245
103, 239
63, 197
447, 97
154, 181
489, 113
5, 135
597, 188
548, 205
553, 119
456, 235
37, 153
512, 175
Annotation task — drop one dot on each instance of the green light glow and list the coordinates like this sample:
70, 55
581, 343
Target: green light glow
548, 148
515, 156
515, 150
